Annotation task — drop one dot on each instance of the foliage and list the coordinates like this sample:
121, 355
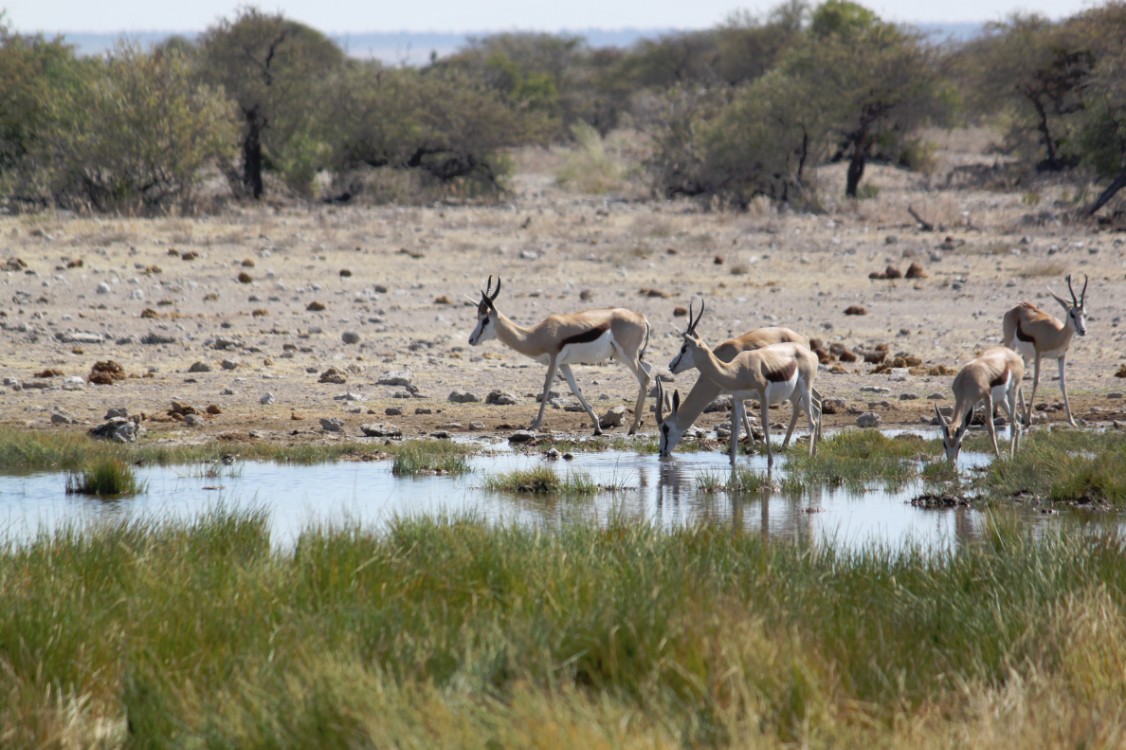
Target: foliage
108, 478
447, 632
429, 457
542, 480
274, 69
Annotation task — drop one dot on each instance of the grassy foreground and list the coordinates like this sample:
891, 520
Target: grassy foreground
453, 633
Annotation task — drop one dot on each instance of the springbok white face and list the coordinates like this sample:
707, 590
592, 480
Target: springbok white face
669, 431
486, 316
951, 441
1076, 309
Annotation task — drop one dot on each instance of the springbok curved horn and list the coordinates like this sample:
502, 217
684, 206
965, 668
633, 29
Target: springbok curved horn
693, 322
1074, 301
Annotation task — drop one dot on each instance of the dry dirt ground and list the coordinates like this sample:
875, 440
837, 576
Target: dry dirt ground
159, 296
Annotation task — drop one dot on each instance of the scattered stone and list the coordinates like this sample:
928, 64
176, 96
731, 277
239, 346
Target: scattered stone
229, 364
464, 397
14, 264
74, 383
1121, 373
350, 337
80, 337
832, 405
50, 372
106, 373
443, 300
522, 436
245, 278
118, 429
868, 419
393, 411
400, 377
613, 418
476, 426
350, 397
345, 273
157, 338
193, 420
381, 429
334, 376
420, 410
855, 310
61, 417
915, 271
267, 399
500, 398
315, 306
213, 410
117, 411
657, 293
199, 367
103, 288
586, 295
679, 311
332, 424
440, 435
13, 383
908, 397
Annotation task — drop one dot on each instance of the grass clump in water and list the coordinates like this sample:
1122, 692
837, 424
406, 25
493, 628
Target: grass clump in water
1063, 466
430, 457
856, 458
542, 480
106, 478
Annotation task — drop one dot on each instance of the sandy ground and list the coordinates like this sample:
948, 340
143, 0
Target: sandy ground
159, 296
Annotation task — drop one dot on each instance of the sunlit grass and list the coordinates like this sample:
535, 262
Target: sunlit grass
430, 457
857, 458
1063, 466
105, 478
542, 480
455, 633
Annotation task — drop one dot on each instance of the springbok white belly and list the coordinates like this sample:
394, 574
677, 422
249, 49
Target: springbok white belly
587, 352
776, 392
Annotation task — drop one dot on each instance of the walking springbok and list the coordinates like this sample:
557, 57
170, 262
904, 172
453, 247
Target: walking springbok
1037, 335
676, 423
993, 377
770, 375
559, 341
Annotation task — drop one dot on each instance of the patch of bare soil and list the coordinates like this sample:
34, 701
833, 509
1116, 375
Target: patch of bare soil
268, 320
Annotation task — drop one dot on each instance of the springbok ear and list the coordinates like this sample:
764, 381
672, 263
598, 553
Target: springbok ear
1063, 303
661, 395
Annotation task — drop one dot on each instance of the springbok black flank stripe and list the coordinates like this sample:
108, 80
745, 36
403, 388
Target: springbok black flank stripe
782, 374
1022, 335
1000, 379
586, 336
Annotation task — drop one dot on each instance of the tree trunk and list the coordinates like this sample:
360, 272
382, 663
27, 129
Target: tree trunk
1118, 183
855, 171
252, 155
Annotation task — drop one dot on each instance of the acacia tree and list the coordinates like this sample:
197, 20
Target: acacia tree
274, 69
876, 83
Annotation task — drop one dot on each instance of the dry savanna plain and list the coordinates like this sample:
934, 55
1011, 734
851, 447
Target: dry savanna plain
266, 320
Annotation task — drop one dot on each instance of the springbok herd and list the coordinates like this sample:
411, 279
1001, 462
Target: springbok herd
775, 364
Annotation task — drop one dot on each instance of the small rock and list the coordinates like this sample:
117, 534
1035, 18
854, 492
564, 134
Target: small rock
193, 420
500, 398
315, 306
199, 367
613, 418
868, 419
381, 429
832, 405
103, 288
229, 364
399, 377
118, 429
522, 436
267, 399
117, 411
350, 397
334, 376
421, 410
332, 424
463, 397
61, 417
350, 337
393, 411
855, 310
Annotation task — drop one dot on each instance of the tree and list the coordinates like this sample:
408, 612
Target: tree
876, 82
133, 136
274, 69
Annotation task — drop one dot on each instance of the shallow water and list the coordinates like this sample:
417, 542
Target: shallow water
646, 488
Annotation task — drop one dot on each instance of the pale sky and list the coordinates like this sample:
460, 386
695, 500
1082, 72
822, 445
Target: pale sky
466, 16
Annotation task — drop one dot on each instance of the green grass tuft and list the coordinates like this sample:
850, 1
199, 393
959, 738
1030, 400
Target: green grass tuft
858, 458
542, 480
430, 457
106, 478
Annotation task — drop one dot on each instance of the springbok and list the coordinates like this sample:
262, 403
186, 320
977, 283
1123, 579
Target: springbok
1036, 335
673, 426
993, 377
559, 341
770, 375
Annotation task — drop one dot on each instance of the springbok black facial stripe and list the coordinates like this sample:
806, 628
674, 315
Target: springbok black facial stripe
586, 336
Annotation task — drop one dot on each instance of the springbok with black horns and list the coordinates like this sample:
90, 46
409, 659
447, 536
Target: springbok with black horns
1036, 335
770, 375
673, 426
559, 341
993, 377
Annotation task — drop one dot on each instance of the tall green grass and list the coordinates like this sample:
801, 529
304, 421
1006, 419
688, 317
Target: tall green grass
857, 458
430, 457
542, 480
106, 478
1063, 466
452, 633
